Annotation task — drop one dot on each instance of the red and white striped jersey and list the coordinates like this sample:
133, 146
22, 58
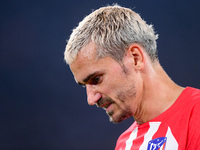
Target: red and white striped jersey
175, 129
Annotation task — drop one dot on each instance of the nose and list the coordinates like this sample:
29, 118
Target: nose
92, 94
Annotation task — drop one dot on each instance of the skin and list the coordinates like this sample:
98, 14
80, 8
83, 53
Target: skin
136, 87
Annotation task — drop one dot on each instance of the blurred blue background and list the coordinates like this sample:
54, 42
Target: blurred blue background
41, 107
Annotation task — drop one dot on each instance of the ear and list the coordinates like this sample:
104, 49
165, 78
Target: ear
136, 51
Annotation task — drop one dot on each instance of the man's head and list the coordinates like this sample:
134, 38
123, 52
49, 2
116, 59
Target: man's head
106, 53
113, 29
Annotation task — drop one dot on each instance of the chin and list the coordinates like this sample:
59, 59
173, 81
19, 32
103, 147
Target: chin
118, 119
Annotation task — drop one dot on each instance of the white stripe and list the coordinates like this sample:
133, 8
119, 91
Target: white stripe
170, 144
148, 136
129, 142
171, 141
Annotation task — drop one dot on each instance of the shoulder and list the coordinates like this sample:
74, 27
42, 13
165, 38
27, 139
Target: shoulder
192, 92
194, 120
190, 96
190, 100
193, 101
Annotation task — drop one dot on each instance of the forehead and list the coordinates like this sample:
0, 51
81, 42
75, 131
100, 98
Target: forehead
87, 63
84, 61
85, 57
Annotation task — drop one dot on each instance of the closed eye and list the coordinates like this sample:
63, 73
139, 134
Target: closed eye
95, 80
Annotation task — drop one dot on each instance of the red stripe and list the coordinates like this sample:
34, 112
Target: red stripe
142, 130
121, 142
162, 130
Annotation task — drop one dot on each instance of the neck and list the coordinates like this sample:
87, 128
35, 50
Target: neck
159, 93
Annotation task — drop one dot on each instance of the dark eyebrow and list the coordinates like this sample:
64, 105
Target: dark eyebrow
88, 77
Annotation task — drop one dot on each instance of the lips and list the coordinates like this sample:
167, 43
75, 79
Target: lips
106, 105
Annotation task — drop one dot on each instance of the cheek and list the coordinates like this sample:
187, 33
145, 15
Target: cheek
109, 85
118, 85
126, 93
121, 96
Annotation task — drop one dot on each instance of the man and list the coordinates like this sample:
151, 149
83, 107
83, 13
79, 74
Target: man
113, 54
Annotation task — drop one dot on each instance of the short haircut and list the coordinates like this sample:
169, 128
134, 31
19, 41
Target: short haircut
112, 29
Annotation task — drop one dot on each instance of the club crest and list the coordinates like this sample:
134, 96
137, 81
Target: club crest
157, 144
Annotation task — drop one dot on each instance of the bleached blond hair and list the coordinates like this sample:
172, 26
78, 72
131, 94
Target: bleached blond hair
112, 29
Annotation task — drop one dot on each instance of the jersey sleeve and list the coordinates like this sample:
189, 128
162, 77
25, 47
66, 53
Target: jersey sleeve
193, 141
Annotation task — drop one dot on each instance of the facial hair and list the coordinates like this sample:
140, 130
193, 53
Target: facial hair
119, 118
122, 112
125, 112
126, 93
